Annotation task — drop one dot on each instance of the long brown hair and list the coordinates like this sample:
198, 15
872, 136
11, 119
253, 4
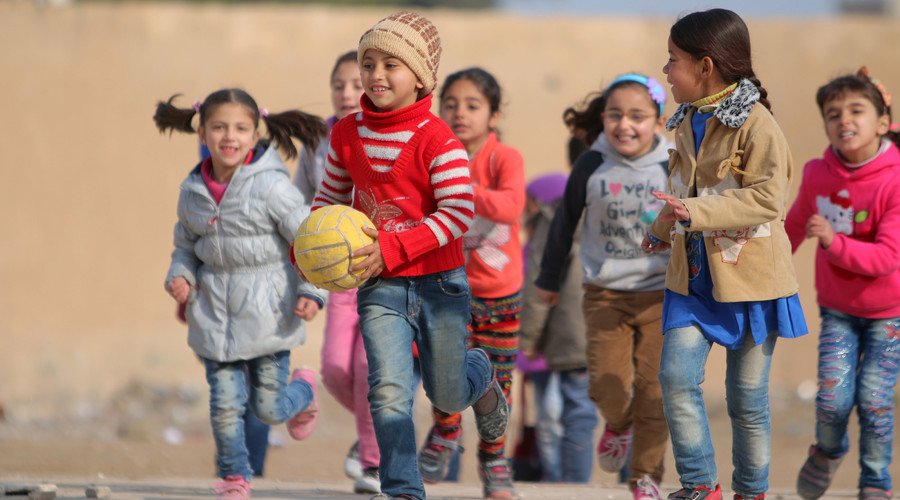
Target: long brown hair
281, 127
721, 35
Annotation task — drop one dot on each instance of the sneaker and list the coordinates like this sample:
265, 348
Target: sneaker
303, 423
647, 489
497, 479
816, 474
434, 457
698, 493
233, 488
612, 450
369, 482
385, 496
492, 426
874, 493
352, 467
761, 496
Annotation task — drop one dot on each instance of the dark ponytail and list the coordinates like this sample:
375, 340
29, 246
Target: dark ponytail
722, 36
308, 129
587, 124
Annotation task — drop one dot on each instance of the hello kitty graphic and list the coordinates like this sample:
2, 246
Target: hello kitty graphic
837, 209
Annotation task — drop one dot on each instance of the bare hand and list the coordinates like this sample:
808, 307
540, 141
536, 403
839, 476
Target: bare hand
373, 264
547, 297
649, 247
819, 227
679, 211
179, 289
306, 308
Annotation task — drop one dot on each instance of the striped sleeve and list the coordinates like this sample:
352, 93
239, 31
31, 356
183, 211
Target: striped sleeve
450, 182
337, 186
449, 173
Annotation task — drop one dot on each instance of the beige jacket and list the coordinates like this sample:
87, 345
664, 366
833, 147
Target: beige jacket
741, 181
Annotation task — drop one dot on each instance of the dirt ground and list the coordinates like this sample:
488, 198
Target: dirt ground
95, 374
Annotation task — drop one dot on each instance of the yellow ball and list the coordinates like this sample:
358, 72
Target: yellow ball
324, 243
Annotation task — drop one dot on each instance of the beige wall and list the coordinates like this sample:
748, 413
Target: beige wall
88, 186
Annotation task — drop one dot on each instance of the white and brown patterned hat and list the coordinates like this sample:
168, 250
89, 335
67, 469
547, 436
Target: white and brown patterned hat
412, 39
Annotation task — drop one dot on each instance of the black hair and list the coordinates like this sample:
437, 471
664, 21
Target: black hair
721, 35
484, 82
587, 123
307, 128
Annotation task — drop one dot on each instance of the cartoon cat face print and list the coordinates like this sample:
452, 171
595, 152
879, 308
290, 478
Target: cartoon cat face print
837, 209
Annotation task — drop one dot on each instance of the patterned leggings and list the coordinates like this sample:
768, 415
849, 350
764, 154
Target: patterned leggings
494, 329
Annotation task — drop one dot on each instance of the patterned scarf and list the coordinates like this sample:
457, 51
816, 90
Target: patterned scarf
732, 111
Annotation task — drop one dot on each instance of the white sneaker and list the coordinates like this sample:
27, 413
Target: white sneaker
352, 467
369, 482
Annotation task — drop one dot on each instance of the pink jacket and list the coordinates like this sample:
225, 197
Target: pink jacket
859, 274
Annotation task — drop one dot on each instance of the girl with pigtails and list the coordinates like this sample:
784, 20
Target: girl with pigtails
244, 304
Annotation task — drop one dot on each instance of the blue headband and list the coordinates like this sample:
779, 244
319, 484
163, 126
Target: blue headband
657, 94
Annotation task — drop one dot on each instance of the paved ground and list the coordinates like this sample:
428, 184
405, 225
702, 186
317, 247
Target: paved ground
190, 489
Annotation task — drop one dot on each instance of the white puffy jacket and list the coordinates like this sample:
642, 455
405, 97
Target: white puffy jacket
235, 256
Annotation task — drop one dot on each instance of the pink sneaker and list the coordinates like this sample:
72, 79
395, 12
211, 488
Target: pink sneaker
303, 423
233, 488
612, 451
647, 489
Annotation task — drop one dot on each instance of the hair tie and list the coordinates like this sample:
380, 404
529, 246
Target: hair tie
885, 95
196, 106
657, 94
263, 112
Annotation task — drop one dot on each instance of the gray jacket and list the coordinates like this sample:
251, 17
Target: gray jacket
557, 332
235, 256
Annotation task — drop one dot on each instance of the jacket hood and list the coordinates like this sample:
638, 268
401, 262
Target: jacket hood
658, 153
888, 157
265, 158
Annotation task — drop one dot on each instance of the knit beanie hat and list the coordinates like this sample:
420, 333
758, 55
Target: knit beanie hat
547, 188
410, 38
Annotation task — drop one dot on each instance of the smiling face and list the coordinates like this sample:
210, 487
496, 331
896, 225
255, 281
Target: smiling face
346, 89
230, 133
683, 74
629, 120
468, 113
388, 81
853, 126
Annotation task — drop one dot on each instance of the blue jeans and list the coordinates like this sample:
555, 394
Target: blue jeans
271, 398
433, 311
858, 363
569, 455
256, 435
681, 371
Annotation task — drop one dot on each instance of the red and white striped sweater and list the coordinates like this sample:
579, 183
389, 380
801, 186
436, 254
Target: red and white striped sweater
411, 177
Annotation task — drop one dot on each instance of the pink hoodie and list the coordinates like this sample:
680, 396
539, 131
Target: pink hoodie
859, 274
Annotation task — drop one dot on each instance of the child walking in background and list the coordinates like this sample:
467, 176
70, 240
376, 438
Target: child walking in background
403, 167
730, 279
557, 335
848, 204
612, 186
245, 307
345, 369
470, 104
